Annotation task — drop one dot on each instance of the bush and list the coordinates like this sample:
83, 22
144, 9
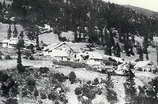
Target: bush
88, 92
63, 99
11, 101
72, 77
3, 76
57, 102
139, 69
43, 95
36, 93
31, 83
20, 68
107, 62
7, 57
44, 70
52, 96
25, 92
60, 77
13, 87
5, 90
96, 81
78, 91
99, 92
31, 58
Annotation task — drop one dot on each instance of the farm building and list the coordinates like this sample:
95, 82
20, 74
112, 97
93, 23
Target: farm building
59, 51
146, 66
9, 43
69, 36
94, 58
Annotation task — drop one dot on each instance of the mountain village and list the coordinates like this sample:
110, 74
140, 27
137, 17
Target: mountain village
77, 52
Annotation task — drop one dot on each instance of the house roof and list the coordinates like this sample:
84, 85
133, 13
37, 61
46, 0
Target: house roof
56, 46
143, 64
11, 41
15, 41
5, 41
58, 53
95, 55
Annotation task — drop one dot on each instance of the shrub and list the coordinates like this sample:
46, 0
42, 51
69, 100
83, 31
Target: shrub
5, 90
31, 58
13, 87
62, 98
60, 77
25, 92
111, 95
31, 83
99, 92
36, 93
96, 81
20, 68
72, 77
108, 63
11, 101
44, 70
52, 96
43, 95
155, 71
78, 91
7, 57
89, 93
139, 69
89, 82
57, 102
3, 76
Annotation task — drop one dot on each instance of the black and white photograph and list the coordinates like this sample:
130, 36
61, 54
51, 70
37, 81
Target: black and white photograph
78, 52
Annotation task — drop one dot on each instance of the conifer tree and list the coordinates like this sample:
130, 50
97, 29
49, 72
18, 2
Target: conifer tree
117, 50
9, 32
15, 32
20, 67
19, 46
1, 11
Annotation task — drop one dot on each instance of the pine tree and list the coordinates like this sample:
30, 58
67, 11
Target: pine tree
21, 36
15, 32
145, 47
19, 46
37, 41
117, 50
9, 32
0, 10
140, 52
20, 67
4, 4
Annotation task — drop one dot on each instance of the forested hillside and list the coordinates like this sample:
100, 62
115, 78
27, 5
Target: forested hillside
92, 19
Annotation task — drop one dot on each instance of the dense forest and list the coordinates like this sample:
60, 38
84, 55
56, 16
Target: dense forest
95, 20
